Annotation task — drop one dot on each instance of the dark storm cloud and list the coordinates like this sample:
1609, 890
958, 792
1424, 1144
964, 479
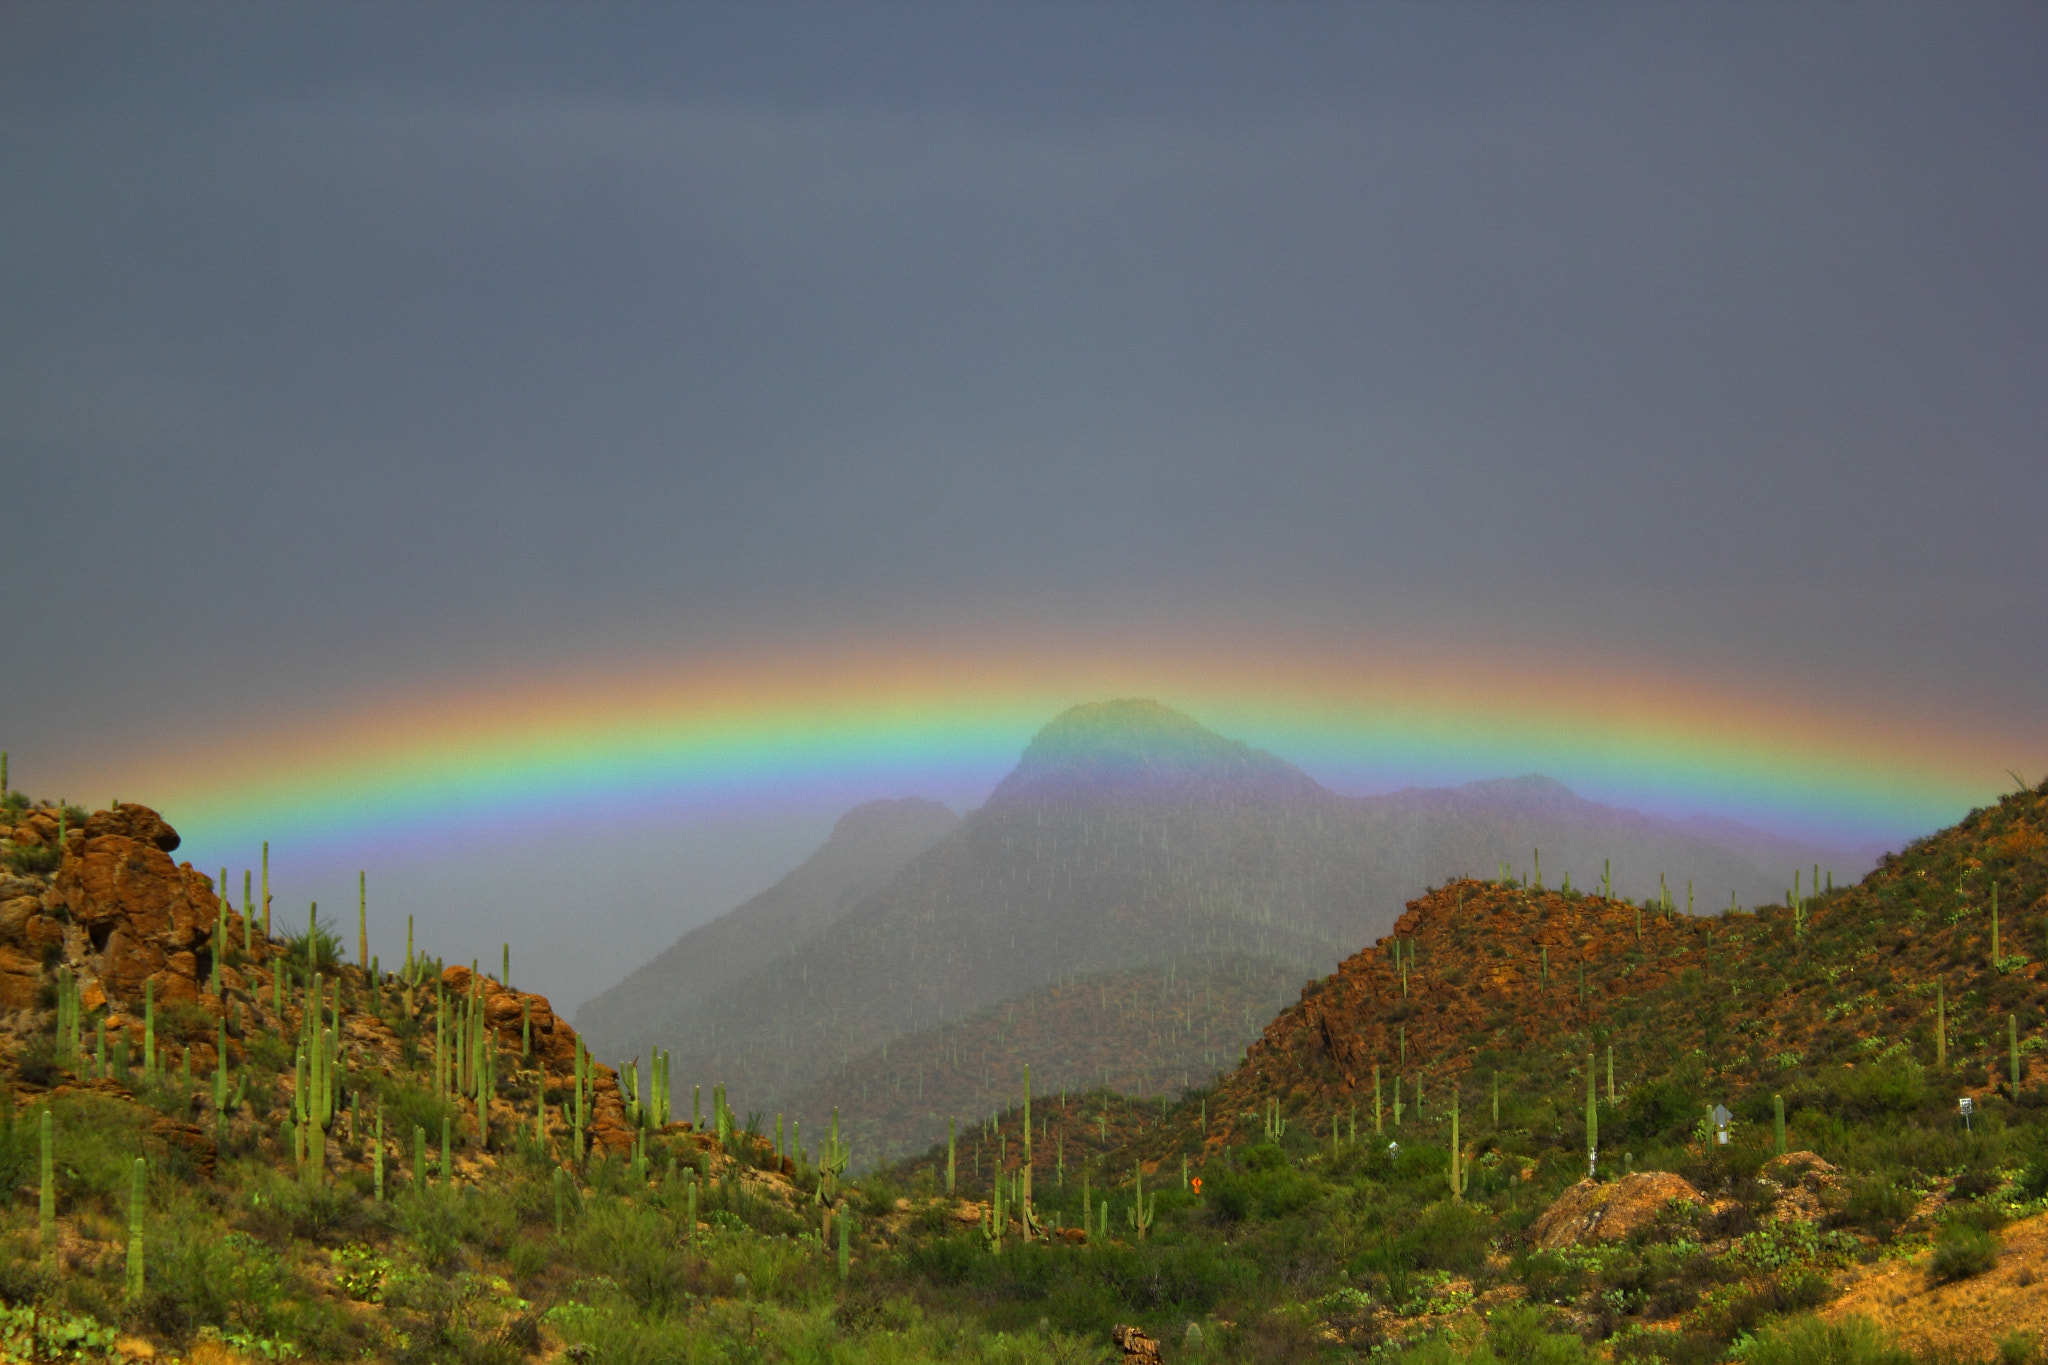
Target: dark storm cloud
348, 346
352, 343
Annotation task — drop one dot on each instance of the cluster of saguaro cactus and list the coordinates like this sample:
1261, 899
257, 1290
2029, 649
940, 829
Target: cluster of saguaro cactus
833, 1156
1141, 1208
316, 1082
722, 1116
1275, 1124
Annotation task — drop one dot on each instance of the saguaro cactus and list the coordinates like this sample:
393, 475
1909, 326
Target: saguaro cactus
46, 1206
951, 1136
1592, 1121
1457, 1153
1940, 1026
220, 1075
138, 1192
2012, 1038
1024, 1199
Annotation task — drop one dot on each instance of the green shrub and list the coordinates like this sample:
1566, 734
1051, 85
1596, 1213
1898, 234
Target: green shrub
1962, 1251
1453, 1236
1809, 1341
33, 860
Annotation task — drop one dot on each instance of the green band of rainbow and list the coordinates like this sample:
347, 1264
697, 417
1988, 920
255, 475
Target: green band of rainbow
679, 734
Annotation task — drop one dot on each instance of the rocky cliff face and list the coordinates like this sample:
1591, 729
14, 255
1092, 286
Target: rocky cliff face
125, 920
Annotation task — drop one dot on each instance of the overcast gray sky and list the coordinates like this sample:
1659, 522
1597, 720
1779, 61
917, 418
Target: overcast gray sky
344, 345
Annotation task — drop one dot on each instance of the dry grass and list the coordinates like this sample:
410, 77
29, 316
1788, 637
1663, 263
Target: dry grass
1962, 1320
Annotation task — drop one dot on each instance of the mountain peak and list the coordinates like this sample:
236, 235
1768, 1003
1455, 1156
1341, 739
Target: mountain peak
1134, 745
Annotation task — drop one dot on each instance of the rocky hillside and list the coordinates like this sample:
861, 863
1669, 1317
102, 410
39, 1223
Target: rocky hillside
98, 921
1939, 955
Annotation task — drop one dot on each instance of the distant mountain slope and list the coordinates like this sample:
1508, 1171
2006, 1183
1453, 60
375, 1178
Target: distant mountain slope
1128, 838
867, 848
1145, 1031
1128, 835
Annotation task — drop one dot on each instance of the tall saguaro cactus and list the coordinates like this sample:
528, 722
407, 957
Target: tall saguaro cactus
2012, 1038
138, 1193
1940, 1025
1024, 1201
46, 1206
1457, 1153
1592, 1121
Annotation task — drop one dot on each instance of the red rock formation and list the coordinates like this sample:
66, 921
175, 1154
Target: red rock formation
145, 917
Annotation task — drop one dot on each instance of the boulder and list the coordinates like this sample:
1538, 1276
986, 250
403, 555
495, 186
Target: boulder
1592, 1212
1135, 1344
131, 821
1800, 1184
138, 908
20, 974
15, 914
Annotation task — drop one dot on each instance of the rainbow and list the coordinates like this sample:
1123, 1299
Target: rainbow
664, 737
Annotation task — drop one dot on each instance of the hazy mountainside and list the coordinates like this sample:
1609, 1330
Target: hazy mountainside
1145, 1031
1127, 838
869, 845
1430, 835
1775, 853
1128, 835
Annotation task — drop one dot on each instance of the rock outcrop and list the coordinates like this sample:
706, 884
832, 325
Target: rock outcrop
1591, 1212
145, 917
